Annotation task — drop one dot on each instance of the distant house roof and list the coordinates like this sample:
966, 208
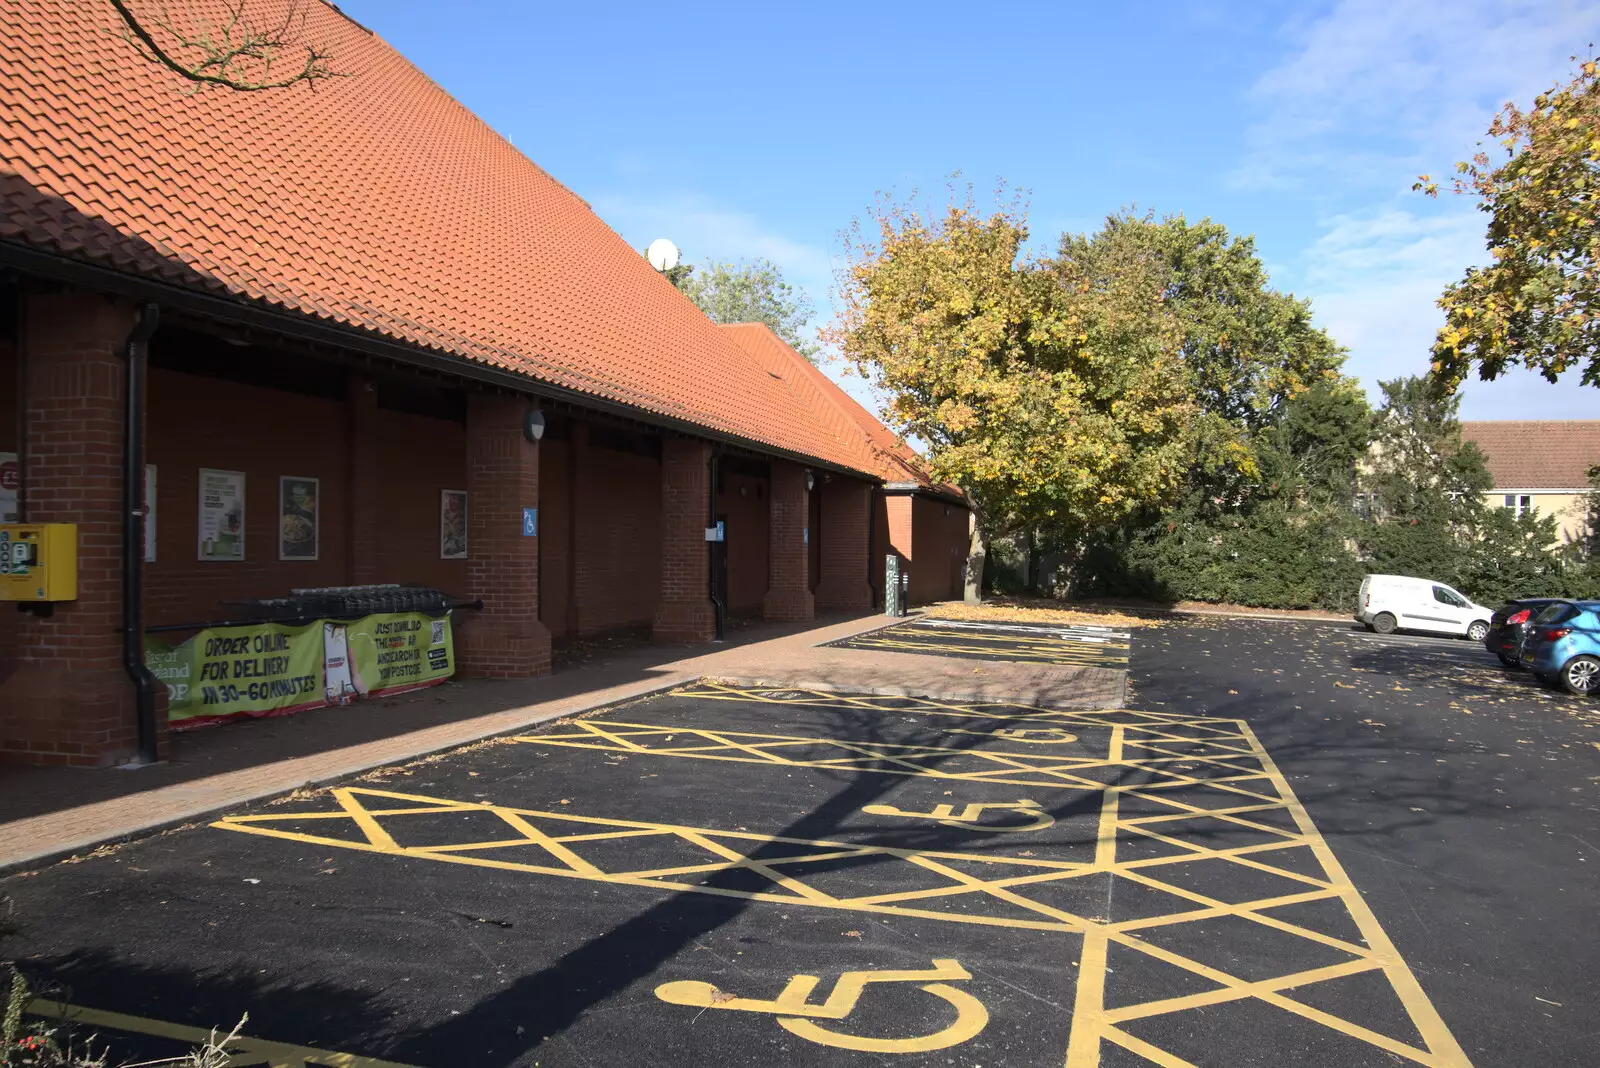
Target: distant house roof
1536, 454
376, 202
875, 448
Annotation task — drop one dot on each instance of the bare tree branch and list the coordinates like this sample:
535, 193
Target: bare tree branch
234, 55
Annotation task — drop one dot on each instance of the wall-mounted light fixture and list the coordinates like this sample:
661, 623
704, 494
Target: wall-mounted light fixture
811, 480
533, 425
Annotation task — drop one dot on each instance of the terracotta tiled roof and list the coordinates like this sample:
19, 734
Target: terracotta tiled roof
377, 202
880, 452
1537, 453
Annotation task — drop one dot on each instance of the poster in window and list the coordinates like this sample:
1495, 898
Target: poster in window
297, 518
452, 524
10, 483
221, 515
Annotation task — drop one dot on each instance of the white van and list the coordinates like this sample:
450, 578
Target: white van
1391, 602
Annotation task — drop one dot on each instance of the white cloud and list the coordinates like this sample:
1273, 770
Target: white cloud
1369, 94
1376, 90
1374, 279
707, 231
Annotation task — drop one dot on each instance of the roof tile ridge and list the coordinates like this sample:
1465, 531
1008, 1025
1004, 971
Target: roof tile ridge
851, 444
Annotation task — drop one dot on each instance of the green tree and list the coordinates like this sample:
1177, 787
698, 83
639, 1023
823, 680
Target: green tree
1311, 454
1429, 517
1052, 394
1246, 348
1536, 303
1421, 469
753, 292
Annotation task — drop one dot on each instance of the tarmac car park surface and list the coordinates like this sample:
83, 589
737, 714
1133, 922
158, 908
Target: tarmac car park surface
1018, 642
1299, 845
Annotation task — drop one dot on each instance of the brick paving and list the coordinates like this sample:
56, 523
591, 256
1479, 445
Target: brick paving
49, 813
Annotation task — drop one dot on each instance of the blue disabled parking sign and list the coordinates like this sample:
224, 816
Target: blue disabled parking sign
530, 522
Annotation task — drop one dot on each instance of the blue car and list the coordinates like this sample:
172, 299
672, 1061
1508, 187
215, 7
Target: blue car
1562, 645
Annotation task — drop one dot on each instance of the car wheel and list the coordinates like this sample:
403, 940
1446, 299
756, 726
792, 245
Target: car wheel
1507, 661
1478, 631
1581, 676
1384, 623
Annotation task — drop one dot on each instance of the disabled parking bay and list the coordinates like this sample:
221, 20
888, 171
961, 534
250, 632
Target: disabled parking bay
741, 876
1009, 640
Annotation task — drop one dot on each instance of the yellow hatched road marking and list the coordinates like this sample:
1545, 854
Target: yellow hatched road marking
1140, 746
243, 1050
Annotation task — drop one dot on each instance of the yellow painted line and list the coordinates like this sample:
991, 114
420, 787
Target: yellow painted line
1088, 1006
365, 820
1159, 1057
244, 1050
1148, 747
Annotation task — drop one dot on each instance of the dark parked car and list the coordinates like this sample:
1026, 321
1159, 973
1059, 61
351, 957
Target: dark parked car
1508, 623
1562, 646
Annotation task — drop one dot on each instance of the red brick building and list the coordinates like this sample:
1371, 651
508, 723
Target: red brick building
367, 287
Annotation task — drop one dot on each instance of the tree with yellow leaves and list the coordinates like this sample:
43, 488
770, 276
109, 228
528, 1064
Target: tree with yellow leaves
1053, 394
1535, 304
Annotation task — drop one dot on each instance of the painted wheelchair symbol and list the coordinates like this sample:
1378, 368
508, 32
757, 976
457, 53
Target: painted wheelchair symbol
1038, 736
967, 819
797, 1013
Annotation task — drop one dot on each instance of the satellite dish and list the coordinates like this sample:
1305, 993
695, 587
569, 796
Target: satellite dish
662, 254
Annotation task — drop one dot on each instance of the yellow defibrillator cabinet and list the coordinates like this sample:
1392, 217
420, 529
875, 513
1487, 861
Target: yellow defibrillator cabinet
38, 561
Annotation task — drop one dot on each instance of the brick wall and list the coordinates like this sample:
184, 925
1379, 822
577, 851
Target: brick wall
198, 422
939, 536
788, 595
684, 612
68, 700
619, 501
846, 530
601, 547
558, 608
744, 504
366, 447
506, 639
416, 459
8, 443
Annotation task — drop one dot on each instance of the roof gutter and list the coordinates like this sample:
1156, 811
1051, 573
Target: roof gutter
307, 328
917, 489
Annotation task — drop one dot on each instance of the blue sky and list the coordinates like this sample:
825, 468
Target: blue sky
741, 130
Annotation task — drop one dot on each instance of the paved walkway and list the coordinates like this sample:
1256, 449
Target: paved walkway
49, 813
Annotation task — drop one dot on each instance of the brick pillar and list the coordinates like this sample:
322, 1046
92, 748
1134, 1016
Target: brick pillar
684, 612
846, 528
899, 510
362, 449
788, 591
68, 701
505, 640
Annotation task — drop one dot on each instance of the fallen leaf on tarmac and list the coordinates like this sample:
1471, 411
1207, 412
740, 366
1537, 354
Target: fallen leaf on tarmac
1233, 691
1414, 808
852, 934
721, 997
563, 801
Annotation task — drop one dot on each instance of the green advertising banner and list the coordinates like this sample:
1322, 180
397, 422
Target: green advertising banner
271, 669
399, 650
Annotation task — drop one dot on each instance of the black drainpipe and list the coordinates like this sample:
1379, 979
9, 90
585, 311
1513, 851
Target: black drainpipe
716, 551
144, 683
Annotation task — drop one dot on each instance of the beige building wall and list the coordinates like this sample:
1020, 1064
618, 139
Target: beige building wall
1566, 505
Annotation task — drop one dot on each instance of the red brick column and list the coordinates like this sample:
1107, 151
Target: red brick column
505, 640
900, 508
788, 591
362, 446
846, 528
684, 612
69, 700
